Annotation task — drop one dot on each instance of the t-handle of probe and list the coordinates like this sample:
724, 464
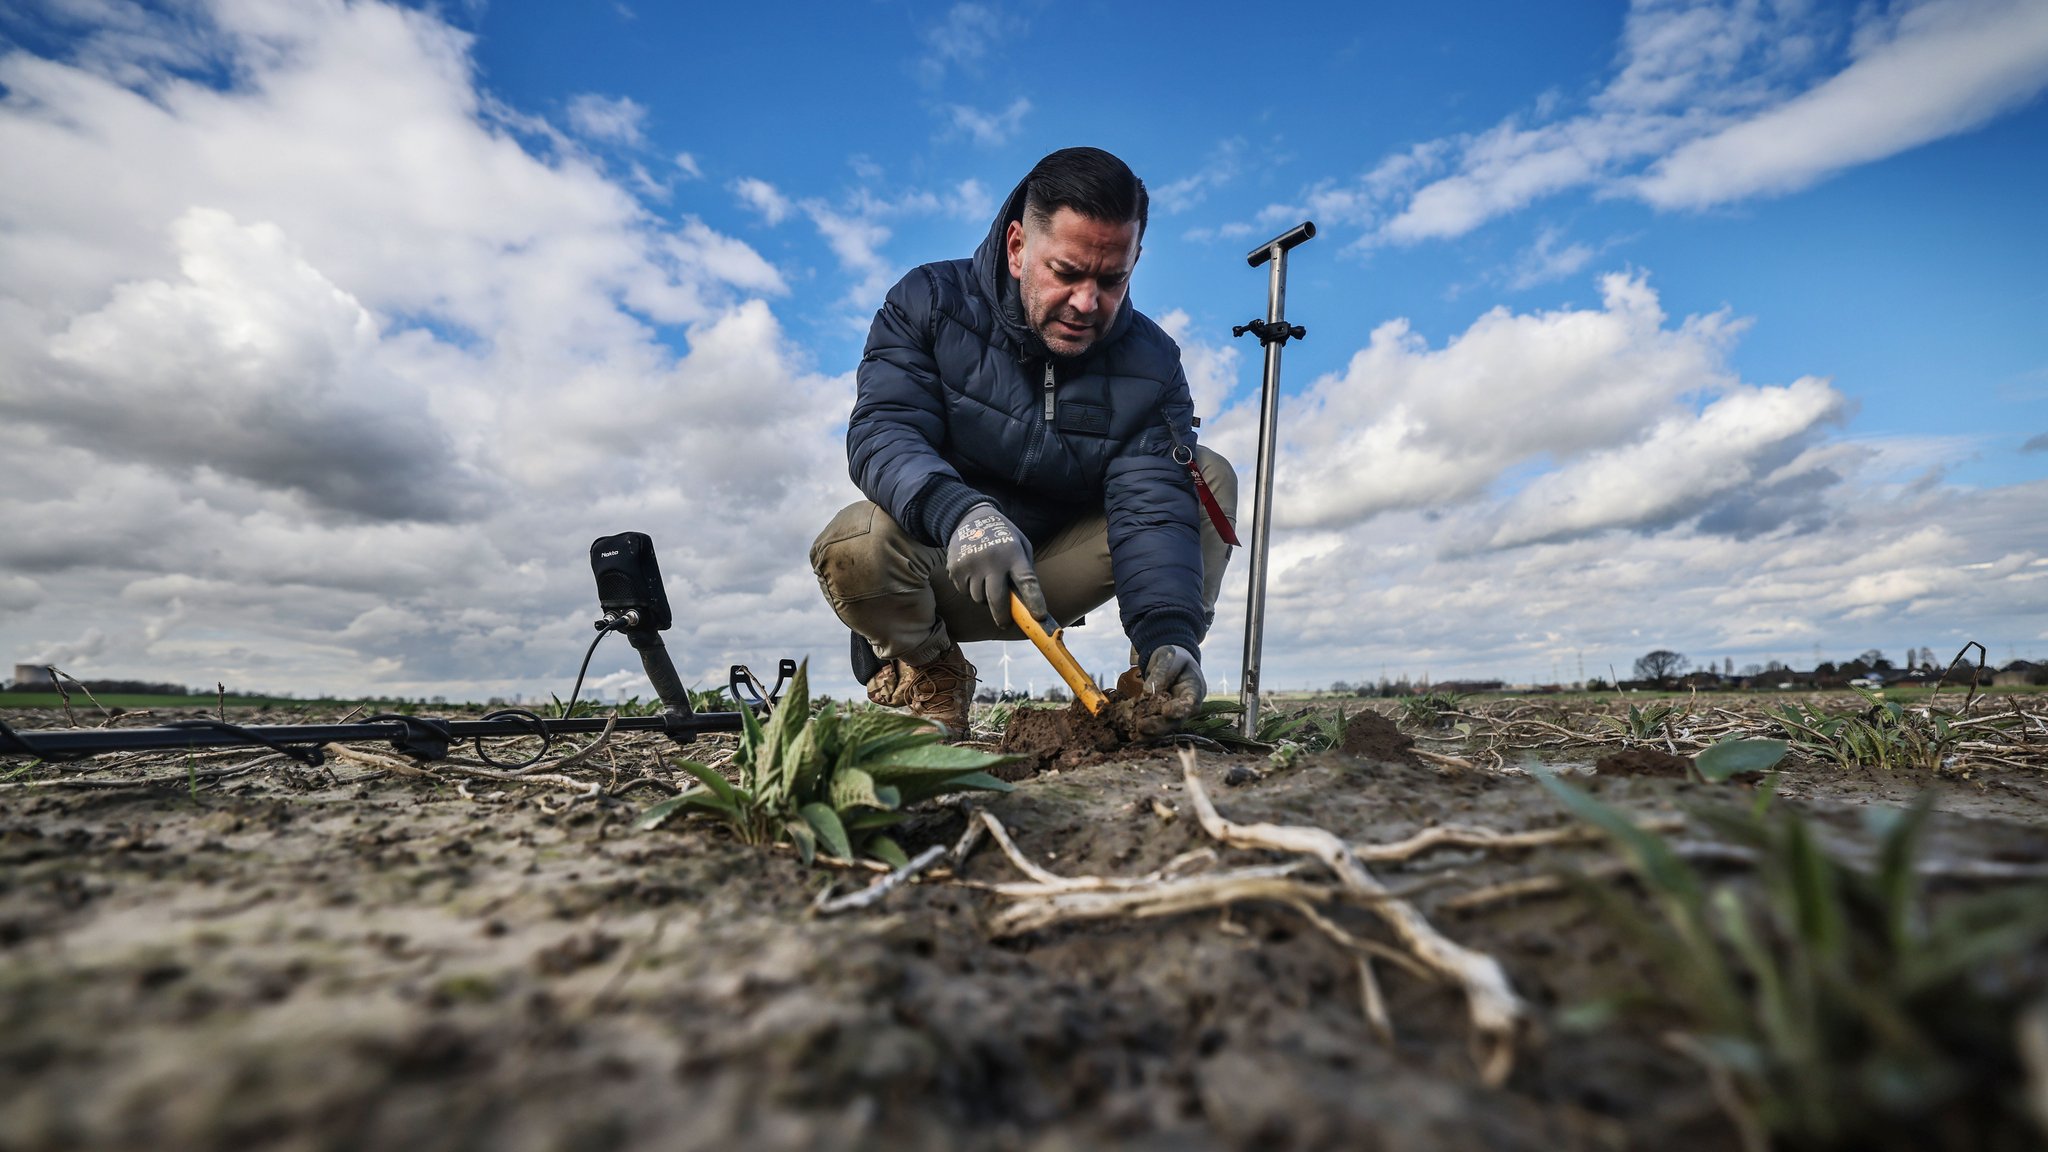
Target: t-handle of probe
1270, 332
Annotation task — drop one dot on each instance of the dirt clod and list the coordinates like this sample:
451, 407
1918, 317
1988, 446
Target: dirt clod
1069, 737
1375, 737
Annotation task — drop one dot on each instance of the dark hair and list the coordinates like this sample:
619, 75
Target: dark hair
1088, 180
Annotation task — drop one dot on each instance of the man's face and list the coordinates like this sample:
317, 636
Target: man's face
1073, 273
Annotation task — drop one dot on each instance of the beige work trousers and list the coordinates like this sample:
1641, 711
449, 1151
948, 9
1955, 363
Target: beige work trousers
894, 591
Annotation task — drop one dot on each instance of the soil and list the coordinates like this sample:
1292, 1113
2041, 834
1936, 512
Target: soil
1644, 762
288, 959
1376, 737
1046, 738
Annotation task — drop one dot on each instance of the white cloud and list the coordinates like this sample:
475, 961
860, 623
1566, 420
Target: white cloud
336, 398
1680, 467
856, 239
688, 166
854, 231
1551, 491
1406, 426
961, 39
18, 593
1544, 261
990, 128
1943, 68
613, 119
1212, 369
763, 197
1714, 101
1222, 166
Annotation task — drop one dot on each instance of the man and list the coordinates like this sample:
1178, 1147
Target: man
1021, 428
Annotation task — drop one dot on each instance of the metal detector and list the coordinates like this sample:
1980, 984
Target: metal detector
629, 591
1273, 332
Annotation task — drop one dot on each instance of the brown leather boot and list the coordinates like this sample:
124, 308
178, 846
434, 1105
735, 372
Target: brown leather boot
942, 690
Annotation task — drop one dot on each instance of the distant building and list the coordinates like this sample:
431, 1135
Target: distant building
2015, 673
33, 678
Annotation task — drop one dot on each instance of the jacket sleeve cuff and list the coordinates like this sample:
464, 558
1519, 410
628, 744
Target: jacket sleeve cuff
1158, 629
937, 509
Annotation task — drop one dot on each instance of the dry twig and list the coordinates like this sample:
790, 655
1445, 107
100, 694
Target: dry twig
873, 893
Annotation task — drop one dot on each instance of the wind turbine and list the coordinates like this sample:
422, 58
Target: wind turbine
1006, 669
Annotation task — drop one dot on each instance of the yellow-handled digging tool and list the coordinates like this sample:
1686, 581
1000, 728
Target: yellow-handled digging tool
1055, 650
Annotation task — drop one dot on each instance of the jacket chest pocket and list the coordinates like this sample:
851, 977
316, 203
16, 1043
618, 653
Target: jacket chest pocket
1083, 419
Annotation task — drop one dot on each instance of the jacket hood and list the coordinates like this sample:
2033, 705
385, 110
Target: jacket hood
992, 276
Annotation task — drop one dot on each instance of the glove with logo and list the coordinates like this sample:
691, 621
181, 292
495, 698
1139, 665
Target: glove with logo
988, 557
1174, 673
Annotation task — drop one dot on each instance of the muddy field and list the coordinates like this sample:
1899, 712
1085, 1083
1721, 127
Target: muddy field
228, 951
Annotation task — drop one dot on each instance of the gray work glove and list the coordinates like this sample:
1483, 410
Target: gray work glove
987, 558
1174, 673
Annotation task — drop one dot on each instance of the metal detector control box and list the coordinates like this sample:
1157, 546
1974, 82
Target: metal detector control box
629, 580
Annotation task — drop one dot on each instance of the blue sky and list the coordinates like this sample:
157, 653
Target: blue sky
1913, 278
330, 333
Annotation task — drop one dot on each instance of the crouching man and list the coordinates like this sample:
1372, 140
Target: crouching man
1020, 427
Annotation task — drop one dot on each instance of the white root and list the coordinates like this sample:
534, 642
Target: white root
1497, 1013
387, 763
1041, 906
1470, 836
1375, 1002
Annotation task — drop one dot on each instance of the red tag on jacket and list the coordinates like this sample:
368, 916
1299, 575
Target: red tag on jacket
1210, 505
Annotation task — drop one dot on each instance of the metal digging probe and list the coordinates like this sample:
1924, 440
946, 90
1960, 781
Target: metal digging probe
1272, 332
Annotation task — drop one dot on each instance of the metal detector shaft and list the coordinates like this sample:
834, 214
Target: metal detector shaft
416, 734
1273, 333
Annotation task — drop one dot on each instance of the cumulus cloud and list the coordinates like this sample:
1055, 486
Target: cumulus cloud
1551, 492
1713, 101
338, 396
1408, 426
253, 365
1683, 465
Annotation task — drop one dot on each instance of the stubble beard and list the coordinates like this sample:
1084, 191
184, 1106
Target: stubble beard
1042, 323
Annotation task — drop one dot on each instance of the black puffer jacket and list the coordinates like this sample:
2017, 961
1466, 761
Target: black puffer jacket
953, 410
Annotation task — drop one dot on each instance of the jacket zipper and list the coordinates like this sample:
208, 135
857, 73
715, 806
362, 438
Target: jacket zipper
1035, 442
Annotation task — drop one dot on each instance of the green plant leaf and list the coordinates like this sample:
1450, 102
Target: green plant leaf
713, 779
1729, 757
926, 787
1896, 889
825, 822
852, 787
1653, 857
659, 813
806, 841
748, 755
888, 852
774, 765
815, 749
930, 760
